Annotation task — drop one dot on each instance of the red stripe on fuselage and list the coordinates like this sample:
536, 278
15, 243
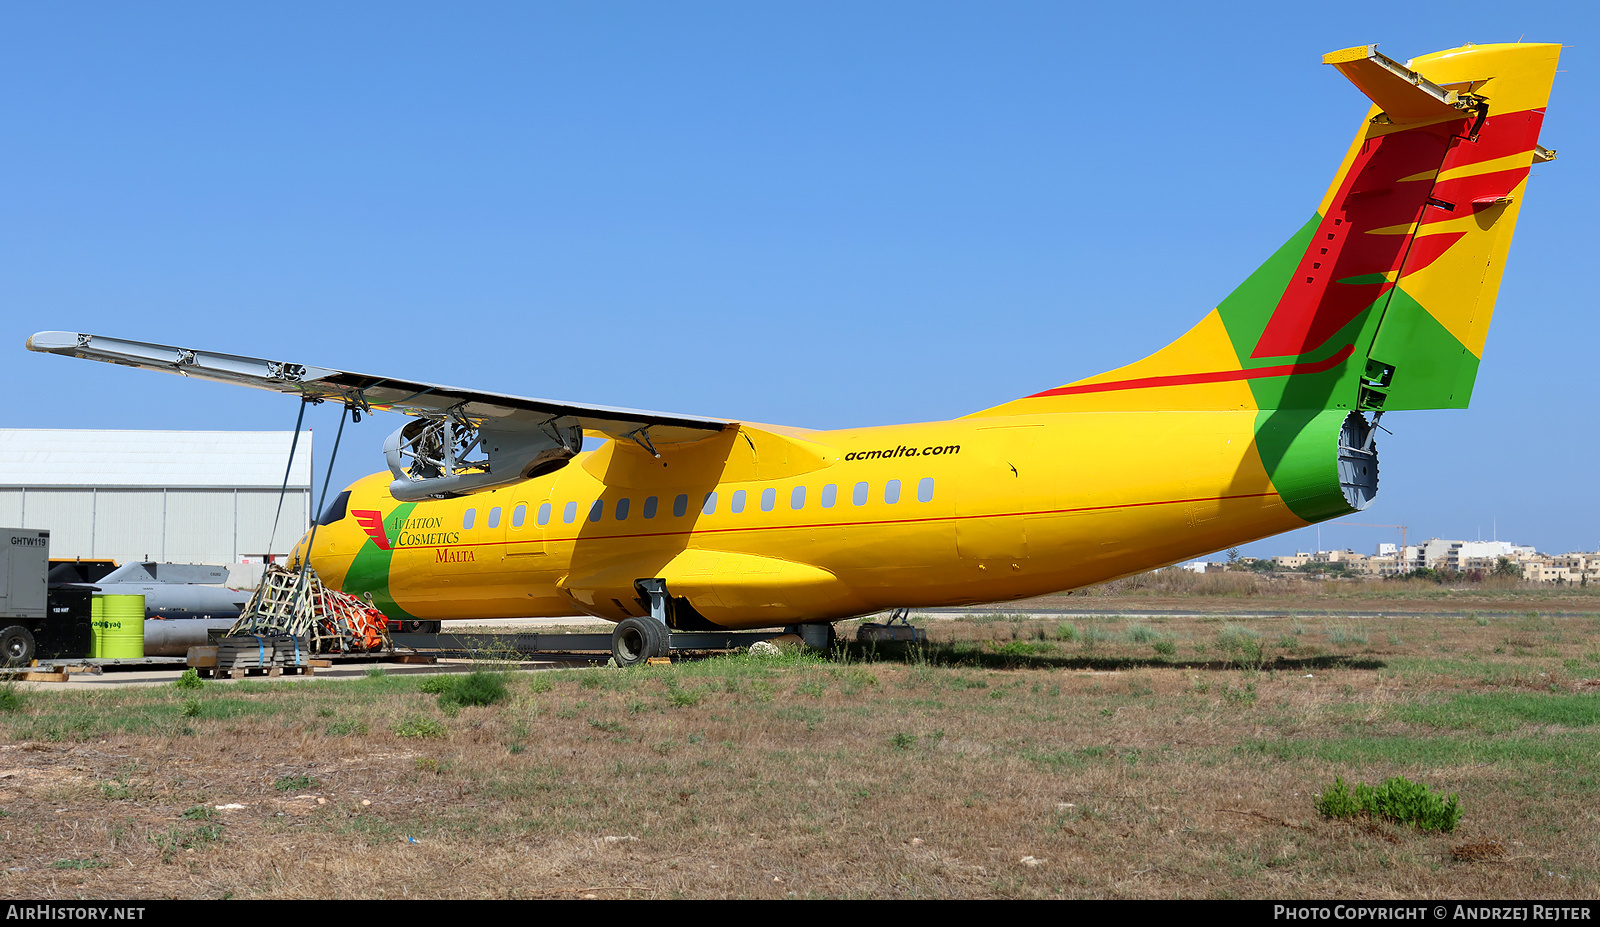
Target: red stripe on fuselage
1214, 376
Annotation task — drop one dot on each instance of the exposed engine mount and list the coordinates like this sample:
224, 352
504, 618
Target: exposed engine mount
452, 455
1358, 459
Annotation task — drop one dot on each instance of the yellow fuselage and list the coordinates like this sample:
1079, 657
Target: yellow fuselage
758, 527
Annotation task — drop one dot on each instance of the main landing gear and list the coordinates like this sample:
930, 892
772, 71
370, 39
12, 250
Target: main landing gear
636, 640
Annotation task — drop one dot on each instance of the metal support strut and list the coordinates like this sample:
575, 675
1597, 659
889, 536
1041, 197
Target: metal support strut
655, 589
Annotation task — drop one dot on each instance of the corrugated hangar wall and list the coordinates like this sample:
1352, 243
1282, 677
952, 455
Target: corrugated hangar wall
179, 496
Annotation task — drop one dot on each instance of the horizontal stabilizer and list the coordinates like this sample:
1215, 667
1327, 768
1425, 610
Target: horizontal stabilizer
1403, 94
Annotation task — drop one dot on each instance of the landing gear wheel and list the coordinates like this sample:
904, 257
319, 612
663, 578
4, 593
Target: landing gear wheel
16, 645
636, 640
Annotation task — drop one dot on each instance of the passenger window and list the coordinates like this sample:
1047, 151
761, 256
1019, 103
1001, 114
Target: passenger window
797, 498
769, 498
680, 505
597, 509
468, 519
925, 489
544, 514
570, 513
494, 517
891, 492
736, 504
710, 507
650, 507
519, 515
622, 510
830, 494
859, 496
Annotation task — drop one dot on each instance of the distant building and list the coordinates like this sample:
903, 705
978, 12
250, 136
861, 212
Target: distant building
171, 496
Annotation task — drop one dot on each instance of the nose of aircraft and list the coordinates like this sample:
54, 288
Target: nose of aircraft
298, 553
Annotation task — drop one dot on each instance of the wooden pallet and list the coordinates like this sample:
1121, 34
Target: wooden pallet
37, 674
241, 672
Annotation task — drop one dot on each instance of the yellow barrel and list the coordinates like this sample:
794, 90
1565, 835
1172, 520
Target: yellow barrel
97, 614
118, 622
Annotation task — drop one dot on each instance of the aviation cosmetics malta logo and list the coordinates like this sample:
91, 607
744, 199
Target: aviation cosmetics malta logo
407, 532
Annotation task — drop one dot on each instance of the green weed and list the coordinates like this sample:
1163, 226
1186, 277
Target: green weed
1243, 696
297, 783
1398, 800
347, 727
1342, 636
173, 839
419, 726
10, 695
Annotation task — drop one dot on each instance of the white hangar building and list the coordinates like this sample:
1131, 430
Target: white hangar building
170, 496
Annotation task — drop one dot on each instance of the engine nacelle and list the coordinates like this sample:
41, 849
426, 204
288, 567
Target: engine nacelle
439, 458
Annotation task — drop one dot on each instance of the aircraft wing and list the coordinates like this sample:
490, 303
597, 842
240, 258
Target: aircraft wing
364, 391
460, 441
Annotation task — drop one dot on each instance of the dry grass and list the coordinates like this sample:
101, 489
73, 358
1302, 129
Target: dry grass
1014, 758
1175, 588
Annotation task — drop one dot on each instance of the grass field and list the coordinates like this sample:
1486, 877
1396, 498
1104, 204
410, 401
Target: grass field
1013, 758
1180, 589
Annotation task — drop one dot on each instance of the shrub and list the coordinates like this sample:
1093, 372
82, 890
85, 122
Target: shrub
1241, 645
1398, 800
1140, 634
189, 680
477, 688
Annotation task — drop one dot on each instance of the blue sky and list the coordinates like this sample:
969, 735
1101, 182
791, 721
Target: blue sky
815, 214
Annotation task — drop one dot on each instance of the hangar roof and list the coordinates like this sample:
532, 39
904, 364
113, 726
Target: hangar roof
40, 457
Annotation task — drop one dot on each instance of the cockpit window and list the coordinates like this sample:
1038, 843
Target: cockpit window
335, 509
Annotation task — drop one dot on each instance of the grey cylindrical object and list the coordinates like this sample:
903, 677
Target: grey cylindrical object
173, 637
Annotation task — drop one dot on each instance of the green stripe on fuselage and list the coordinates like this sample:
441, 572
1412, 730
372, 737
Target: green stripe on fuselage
369, 571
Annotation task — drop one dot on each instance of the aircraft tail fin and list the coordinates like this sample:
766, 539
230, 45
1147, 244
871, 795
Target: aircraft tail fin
1382, 300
